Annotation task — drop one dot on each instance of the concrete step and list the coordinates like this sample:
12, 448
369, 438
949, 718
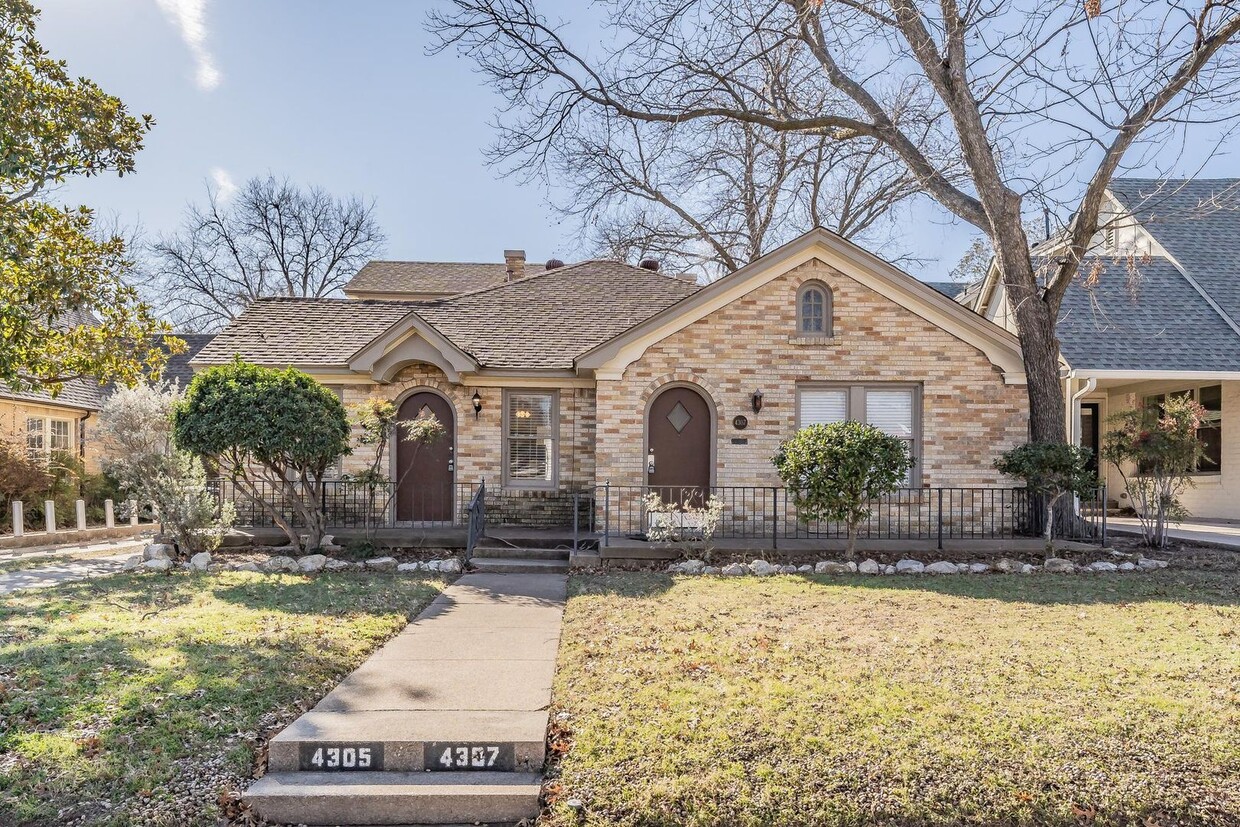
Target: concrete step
355, 798
510, 553
411, 740
508, 565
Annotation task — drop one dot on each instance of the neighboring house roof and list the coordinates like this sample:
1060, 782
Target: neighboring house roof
951, 289
84, 394
177, 369
1198, 223
1151, 319
423, 277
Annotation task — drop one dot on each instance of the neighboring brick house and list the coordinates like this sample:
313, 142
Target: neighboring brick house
1155, 311
562, 379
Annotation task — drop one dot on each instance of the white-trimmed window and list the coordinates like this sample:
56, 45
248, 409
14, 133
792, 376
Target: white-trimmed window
531, 437
1210, 433
893, 408
814, 310
47, 435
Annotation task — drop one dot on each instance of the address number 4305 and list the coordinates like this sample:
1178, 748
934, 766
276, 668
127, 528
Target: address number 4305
332, 758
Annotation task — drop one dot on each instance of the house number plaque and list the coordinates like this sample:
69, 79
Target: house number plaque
453, 756
341, 757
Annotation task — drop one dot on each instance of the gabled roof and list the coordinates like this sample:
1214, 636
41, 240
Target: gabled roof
1000, 346
1149, 319
540, 322
177, 368
1198, 223
421, 277
951, 289
546, 320
85, 394
309, 332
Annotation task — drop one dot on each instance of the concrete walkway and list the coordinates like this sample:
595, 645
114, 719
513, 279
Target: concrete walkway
90, 560
1225, 533
451, 713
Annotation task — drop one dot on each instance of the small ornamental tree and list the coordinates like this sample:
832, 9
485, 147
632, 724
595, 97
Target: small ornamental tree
377, 420
1051, 471
135, 427
835, 470
1155, 450
272, 432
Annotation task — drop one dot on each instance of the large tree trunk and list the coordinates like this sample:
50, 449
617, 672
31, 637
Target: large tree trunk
1039, 346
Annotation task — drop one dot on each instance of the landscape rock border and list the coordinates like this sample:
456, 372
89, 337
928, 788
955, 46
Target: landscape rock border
158, 557
908, 566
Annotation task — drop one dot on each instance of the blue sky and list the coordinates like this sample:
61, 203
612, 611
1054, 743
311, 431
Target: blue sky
337, 94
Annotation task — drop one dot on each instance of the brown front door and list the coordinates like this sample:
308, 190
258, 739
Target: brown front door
679, 433
425, 473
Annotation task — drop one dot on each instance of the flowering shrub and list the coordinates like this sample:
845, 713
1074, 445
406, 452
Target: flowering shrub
686, 524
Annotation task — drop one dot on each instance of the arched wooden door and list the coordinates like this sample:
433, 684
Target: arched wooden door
426, 473
679, 432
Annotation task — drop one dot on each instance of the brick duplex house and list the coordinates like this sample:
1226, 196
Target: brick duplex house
565, 378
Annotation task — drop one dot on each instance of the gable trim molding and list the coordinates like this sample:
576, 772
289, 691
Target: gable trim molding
408, 341
610, 359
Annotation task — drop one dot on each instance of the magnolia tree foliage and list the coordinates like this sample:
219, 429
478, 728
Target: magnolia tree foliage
135, 427
1155, 450
378, 425
1052, 471
834, 472
65, 311
272, 432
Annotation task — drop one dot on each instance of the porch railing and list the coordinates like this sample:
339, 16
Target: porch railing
477, 515
349, 504
770, 513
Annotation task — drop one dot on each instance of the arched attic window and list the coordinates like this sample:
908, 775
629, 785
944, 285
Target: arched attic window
814, 310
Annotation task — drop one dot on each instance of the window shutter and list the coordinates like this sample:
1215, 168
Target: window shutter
822, 407
890, 411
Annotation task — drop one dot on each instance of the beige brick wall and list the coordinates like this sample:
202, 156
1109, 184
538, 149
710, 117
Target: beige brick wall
13, 415
969, 416
479, 440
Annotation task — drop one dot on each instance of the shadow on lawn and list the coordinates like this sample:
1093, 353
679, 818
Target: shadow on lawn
1211, 588
329, 594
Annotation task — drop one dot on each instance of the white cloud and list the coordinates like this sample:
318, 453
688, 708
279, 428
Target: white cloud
224, 183
190, 17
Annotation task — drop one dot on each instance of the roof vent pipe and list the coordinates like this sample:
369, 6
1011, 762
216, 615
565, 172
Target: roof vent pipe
651, 264
554, 263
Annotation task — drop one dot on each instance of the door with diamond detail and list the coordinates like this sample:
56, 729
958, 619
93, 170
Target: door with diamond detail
425, 474
679, 433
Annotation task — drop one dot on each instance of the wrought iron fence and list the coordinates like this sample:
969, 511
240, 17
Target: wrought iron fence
350, 504
770, 513
477, 512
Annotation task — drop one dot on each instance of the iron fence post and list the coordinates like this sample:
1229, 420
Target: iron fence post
1104, 515
576, 509
774, 519
940, 527
606, 514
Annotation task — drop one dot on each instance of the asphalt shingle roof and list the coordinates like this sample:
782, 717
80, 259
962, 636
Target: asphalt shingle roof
425, 277
1198, 223
542, 321
280, 332
87, 394
1153, 320
177, 369
548, 319
951, 289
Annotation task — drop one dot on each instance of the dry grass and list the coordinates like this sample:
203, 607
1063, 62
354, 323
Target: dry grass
901, 701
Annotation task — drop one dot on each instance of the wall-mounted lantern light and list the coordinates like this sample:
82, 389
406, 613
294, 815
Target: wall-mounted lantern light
757, 401
477, 404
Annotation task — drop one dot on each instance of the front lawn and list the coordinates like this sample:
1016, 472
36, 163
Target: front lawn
140, 699
996, 700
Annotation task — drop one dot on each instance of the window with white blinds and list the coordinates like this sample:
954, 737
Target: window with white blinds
893, 410
530, 437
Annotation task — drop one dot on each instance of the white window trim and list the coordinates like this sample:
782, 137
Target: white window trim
856, 412
1195, 390
46, 450
554, 459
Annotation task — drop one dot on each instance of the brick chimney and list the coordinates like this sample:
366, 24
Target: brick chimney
515, 261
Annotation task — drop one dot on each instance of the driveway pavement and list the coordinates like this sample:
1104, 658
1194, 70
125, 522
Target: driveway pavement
86, 561
1224, 533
